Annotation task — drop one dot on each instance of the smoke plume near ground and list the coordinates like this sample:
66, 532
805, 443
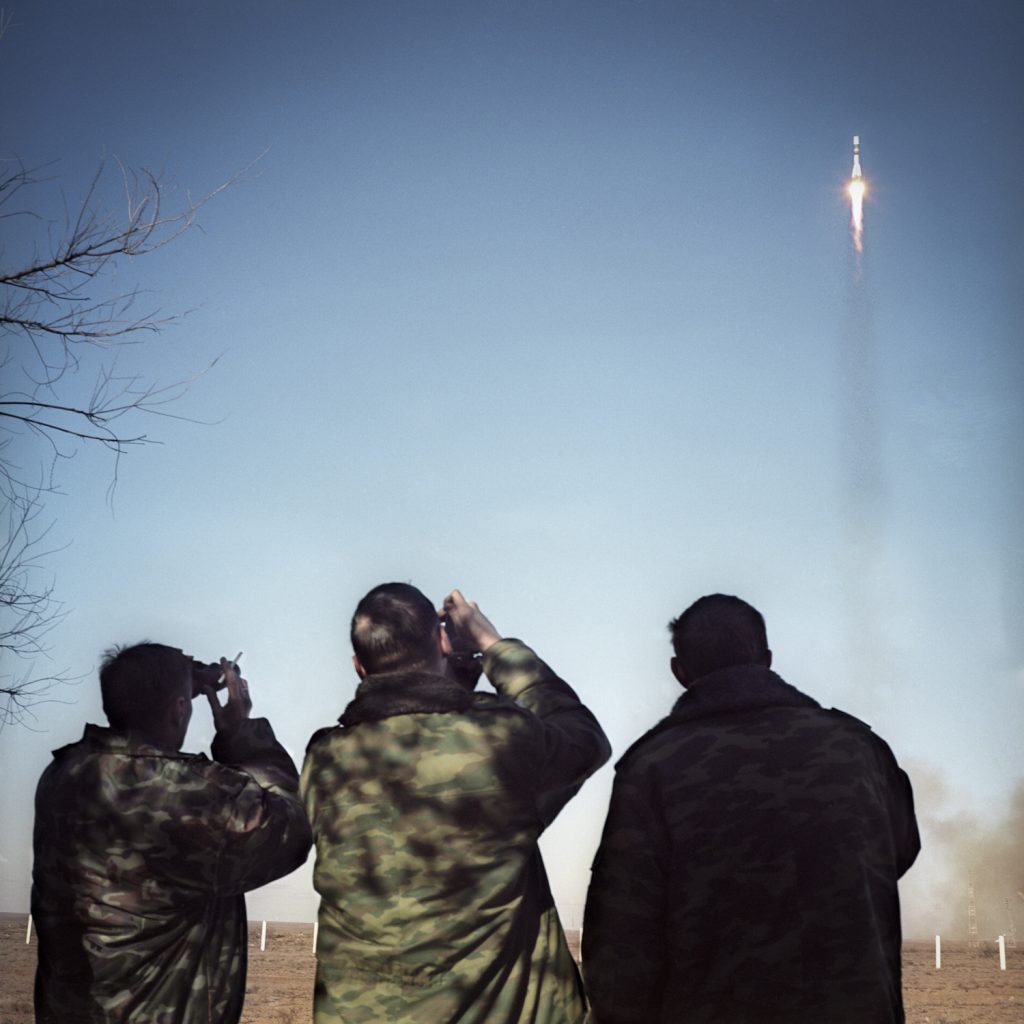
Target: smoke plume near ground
958, 846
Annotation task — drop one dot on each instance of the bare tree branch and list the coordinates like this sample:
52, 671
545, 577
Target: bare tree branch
28, 608
50, 300
21, 695
55, 305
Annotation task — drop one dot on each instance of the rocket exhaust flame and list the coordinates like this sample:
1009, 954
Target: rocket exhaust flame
856, 190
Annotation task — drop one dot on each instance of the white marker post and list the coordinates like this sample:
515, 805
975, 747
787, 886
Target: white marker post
1002, 952
938, 953
316, 932
28, 931
263, 937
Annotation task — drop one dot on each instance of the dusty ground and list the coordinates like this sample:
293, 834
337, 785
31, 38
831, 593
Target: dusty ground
970, 988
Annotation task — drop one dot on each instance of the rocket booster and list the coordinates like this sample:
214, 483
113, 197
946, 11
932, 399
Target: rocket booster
855, 173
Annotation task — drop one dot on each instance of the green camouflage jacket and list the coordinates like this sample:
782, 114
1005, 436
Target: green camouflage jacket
141, 859
426, 805
747, 871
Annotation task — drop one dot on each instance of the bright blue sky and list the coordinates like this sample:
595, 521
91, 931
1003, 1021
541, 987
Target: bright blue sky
555, 302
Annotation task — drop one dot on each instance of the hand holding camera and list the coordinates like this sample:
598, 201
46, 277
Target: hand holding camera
469, 634
209, 678
473, 630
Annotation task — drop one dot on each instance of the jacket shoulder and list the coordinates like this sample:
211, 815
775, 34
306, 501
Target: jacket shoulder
871, 738
664, 737
846, 718
322, 736
850, 724
664, 733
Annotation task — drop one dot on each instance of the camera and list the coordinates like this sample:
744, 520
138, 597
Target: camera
207, 678
466, 664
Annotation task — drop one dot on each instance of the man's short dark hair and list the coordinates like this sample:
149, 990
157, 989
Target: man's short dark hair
394, 628
718, 631
139, 684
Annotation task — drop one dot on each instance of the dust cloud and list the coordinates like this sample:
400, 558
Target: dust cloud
958, 847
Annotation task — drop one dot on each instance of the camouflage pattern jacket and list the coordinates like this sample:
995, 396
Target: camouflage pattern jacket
747, 871
141, 857
426, 804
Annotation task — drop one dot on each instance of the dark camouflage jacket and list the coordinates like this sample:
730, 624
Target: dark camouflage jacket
747, 872
141, 857
426, 804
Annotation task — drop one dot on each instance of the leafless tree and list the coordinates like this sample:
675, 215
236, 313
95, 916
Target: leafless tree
58, 304
28, 606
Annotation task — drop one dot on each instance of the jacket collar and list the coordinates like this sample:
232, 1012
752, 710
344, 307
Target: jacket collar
740, 688
116, 741
404, 693
727, 691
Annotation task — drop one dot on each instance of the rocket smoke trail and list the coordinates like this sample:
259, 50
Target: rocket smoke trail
862, 482
856, 190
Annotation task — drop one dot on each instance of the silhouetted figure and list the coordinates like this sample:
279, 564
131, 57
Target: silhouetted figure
747, 871
426, 803
142, 853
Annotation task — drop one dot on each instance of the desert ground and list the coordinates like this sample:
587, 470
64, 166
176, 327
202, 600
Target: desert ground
969, 989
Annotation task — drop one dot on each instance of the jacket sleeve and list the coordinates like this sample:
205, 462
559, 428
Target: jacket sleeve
894, 794
624, 926
573, 744
258, 829
906, 839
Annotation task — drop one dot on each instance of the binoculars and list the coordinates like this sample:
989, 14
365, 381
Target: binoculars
207, 677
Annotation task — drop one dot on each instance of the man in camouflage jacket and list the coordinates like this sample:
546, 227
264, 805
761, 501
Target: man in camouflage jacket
426, 804
747, 871
142, 853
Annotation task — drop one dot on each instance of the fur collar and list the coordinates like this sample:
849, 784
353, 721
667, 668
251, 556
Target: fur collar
404, 693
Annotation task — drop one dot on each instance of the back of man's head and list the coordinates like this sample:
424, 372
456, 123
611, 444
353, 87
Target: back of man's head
394, 628
718, 631
140, 683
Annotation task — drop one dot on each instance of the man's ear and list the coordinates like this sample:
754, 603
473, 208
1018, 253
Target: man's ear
175, 724
767, 659
358, 666
679, 672
181, 712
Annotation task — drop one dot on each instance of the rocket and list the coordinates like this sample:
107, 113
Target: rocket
855, 190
